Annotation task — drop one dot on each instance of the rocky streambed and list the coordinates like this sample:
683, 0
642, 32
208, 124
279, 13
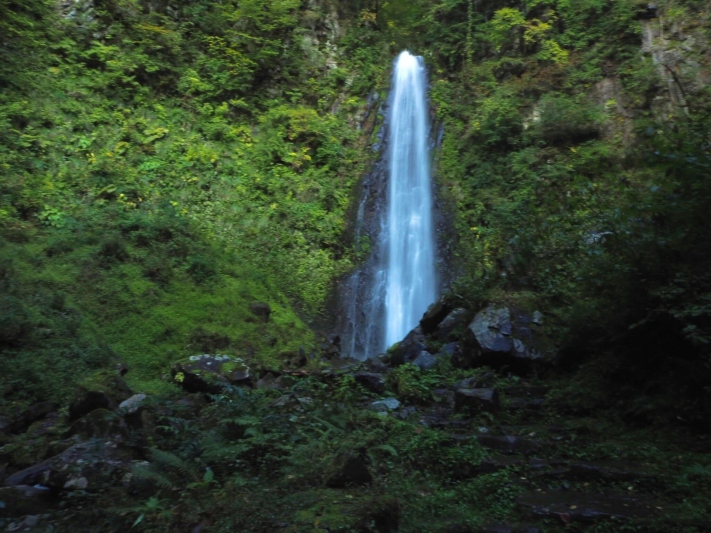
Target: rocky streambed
466, 425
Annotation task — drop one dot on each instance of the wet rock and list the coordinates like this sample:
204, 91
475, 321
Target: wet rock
270, 381
30, 523
23, 499
451, 349
349, 470
261, 310
584, 507
371, 381
210, 373
383, 406
499, 338
509, 444
477, 401
434, 315
132, 404
378, 365
455, 320
98, 462
332, 346
425, 361
409, 348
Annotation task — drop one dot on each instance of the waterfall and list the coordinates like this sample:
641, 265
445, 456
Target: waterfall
410, 285
386, 297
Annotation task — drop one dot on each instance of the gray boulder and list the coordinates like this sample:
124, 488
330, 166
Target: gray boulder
409, 348
477, 401
455, 320
498, 337
210, 373
434, 315
425, 361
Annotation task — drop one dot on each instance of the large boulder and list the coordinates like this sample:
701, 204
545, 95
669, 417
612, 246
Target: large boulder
498, 337
210, 373
88, 464
434, 315
477, 401
456, 320
409, 349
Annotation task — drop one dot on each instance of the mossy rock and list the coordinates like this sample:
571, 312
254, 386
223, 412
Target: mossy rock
210, 373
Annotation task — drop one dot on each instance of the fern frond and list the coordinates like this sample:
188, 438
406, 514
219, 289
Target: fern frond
151, 474
180, 465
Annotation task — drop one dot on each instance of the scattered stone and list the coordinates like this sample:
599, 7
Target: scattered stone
409, 348
261, 310
477, 400
435, 314
389, 404
425, 361
132, 404
371, 381
210, 373
349, 470
584, 507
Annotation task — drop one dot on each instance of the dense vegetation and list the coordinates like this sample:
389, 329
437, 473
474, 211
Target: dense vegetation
164, 166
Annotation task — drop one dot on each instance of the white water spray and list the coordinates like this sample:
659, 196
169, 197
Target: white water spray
411, 283
386, 297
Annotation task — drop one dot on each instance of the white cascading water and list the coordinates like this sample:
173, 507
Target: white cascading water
410, 262
386, 296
